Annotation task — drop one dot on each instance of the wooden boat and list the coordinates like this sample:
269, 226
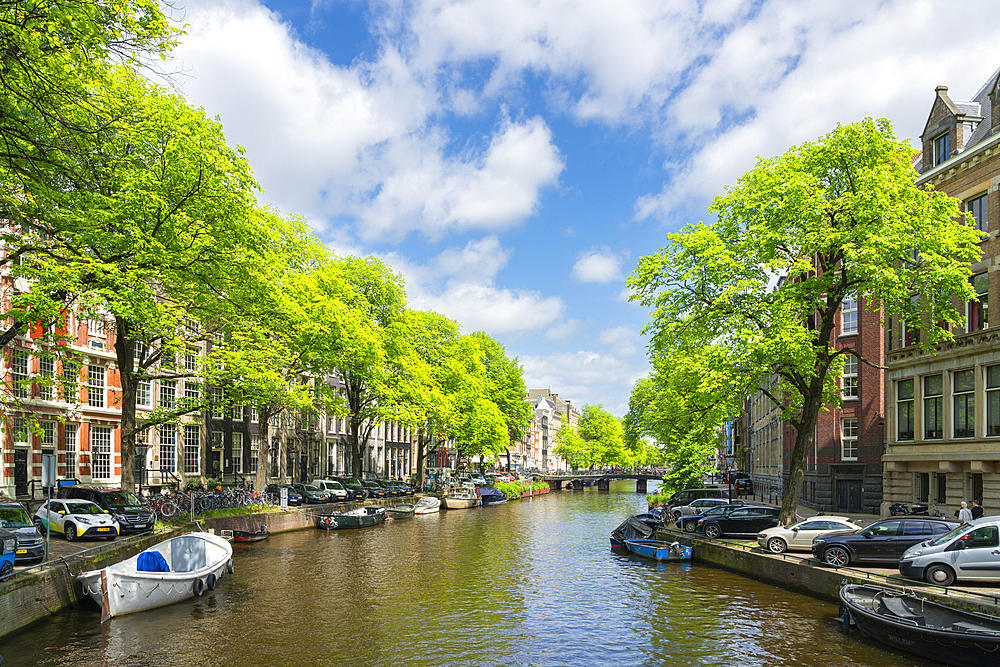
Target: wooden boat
659, 550
460, 498
362, 517
930, 629
403, 511
427, 505
171, 571
489, 495
243, 536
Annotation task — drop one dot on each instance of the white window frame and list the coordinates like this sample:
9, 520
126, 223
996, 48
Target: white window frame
849, 439
237, 453
849, 379
101, 452
254, 453
144, 393
849, 315
168, 394
49, 432
168, 448
19, 374
96, 391
192, 449
47, 372
69, 448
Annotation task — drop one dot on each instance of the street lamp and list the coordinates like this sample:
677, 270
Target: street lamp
729, 474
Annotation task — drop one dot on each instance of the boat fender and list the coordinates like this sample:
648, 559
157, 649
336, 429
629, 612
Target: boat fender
210, 581
199, 587
229, 566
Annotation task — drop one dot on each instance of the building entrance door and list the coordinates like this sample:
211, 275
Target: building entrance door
20, 472
217, 464
849, 495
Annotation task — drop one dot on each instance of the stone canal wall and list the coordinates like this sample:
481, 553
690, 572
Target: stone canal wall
802, 574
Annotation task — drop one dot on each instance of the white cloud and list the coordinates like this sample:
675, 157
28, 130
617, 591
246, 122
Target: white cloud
588, 376
358, 142
565, 330
460, 283
598, 266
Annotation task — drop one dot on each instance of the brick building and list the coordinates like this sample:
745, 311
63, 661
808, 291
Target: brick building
943, 408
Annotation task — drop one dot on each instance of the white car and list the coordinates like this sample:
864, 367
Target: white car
76, 518
700, 505
336, 490
799, 536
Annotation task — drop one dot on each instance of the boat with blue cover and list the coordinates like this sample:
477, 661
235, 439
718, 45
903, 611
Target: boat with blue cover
659, 550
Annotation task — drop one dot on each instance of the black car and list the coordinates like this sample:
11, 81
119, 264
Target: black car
689, 522
311, 493
882, 542
747, 520
375, 490
16, 520
132, 516
294, 498
355, 490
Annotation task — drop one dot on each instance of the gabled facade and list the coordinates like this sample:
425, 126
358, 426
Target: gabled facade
943, 408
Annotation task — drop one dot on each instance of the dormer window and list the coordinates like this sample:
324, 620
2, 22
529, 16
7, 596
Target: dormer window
942, 148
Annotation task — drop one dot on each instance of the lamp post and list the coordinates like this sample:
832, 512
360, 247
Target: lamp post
729, 474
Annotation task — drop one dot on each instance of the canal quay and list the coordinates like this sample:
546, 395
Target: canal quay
527, 583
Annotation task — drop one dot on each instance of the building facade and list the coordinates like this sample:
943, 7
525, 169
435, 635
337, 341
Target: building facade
943, 407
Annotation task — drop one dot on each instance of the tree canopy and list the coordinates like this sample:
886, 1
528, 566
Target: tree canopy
756, 294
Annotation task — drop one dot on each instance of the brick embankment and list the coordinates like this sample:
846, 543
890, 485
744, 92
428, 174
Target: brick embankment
804, 574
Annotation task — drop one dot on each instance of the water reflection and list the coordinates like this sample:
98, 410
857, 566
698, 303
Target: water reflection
528, 583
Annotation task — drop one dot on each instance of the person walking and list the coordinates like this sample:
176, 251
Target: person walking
977, 510
965, 514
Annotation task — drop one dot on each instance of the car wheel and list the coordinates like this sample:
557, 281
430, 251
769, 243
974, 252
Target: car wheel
713, 531
110, 538
837, 556
69, 530
6, 570
941, 575
689, 526
776, 545
677, 515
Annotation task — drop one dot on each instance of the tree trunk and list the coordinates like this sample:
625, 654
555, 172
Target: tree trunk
125, 356
264, 452
420, 460
797, 469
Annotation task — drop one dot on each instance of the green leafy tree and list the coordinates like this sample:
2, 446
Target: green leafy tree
571, 447
758, 291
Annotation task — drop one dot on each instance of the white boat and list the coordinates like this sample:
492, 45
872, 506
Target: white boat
427, 505
184, 567
460, 498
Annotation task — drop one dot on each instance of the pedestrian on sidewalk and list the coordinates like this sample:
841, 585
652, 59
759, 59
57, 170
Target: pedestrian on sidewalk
965, 514
977, 510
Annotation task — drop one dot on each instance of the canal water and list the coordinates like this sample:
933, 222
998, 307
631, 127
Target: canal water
527, 583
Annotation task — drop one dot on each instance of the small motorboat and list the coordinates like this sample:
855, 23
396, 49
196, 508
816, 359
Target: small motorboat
362, 517
659, 550
489, 495
168, 572
243, 536
427, 505
461, 498
402, 511
930, 629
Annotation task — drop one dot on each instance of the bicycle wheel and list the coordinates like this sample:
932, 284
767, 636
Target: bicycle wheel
167, 511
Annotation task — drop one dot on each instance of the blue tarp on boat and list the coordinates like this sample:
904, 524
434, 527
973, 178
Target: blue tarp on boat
152, 561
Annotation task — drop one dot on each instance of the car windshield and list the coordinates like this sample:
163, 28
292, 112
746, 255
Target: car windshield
949, 536
14, 517
83, 508
715, 511
352, 482
310, 487
121, 499
335, 486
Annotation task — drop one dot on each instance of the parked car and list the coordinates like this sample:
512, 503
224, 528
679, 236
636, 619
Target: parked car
312, 493
744, 487
748, 520
800, 536
884, 541
688, 523
16, 520
294, 498
335, 489
686, 496
354, 487
131, 514
8, 544
75, 519
699, 505
375, 490
969, 552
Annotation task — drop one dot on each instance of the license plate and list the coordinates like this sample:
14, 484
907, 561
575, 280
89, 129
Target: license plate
20, 551
139, 525
103, 530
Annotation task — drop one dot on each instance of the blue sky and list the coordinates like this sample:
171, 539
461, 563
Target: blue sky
513, 160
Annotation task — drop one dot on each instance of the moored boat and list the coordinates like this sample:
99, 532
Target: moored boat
659, 550
362, 517
460, 498
489, 495
244, 536
930, 629
401, 511
168, 572
427, 505
635, 527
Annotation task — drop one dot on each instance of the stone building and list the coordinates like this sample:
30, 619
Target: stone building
943, 407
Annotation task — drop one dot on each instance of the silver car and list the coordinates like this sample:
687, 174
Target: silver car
699, 506
969, 552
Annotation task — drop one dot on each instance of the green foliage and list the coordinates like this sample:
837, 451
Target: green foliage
749, 303
599, 439
661, 498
